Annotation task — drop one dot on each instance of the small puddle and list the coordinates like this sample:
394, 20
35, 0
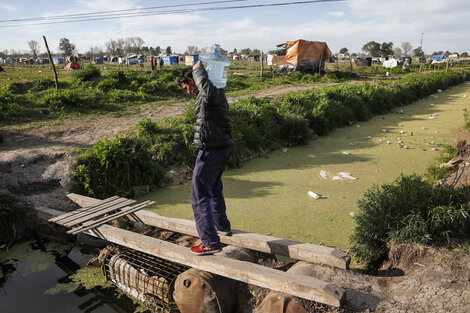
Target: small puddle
36, 276
270, 195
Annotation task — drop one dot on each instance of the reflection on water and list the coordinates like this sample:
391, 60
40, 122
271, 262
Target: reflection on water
29, 271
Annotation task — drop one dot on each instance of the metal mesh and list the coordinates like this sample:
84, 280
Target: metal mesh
145, 277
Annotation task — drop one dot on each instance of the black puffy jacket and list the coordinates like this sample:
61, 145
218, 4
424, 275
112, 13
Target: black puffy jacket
213, 125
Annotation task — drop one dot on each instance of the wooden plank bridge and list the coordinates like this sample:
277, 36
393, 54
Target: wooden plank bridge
94, 215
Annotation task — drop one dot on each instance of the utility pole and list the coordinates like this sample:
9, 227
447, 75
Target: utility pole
52, 63
421, 46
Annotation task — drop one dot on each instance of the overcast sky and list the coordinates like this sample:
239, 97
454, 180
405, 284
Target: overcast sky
351, 24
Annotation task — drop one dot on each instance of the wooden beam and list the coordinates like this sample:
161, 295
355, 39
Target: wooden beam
297, 285
293, 249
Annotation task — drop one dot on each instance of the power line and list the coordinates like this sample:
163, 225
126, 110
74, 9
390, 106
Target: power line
151, 13
106, 13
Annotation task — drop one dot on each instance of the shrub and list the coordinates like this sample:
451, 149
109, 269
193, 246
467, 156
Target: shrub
410, 210
87, 74
42, 84
434, 172
10, 110
58, 99
116, 167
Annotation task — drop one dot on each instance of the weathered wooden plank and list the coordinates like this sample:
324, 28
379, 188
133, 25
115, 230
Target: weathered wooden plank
96, 213
297, 285
301, 286
83, 209
86, 210
122, 212
293, 249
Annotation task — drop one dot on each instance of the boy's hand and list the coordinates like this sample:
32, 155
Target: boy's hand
198, 64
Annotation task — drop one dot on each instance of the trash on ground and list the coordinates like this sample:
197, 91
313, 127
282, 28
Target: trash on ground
432, 104
323, 174
423, 128
389, 142
384, 130
439, 90
369, 137
285, 150
402, 131
465, 96
401, 111
435, 149
346, 153
432, 117
357, 125
434, 114
337, 178
352, 214
312, 155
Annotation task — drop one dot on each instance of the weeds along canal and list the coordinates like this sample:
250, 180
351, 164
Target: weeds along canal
269, 194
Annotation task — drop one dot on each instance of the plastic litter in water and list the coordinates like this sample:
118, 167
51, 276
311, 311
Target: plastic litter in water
352, 214
323, 174
439, 90
312, 155
384, 130
402, 132
314, 195
346, 153
285, 150
337, 178
389, 142
369, 137
434, 114
432, 117
423, 128
347, 175
432, 104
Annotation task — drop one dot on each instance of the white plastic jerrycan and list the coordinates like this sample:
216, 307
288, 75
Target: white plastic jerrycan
216, 66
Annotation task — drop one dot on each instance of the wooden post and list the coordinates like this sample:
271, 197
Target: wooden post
262, 65
52, 62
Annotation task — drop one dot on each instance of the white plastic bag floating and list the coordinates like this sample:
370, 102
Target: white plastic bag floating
369, 137
312, 155
285, 150
346, 153
323, 174
336, 178
439, 90
384, 130
347, 175
314, 195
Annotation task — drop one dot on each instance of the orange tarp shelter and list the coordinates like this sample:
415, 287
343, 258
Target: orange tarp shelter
302, 51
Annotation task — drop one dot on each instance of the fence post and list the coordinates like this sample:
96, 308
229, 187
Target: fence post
53, 66
262, 65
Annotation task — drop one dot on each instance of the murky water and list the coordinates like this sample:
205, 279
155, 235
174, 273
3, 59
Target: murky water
35, 278
269, 195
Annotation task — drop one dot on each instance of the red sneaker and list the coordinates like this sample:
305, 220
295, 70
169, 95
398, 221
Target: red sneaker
201, 250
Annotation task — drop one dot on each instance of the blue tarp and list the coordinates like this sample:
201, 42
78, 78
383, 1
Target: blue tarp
438, 57
58, 60
99, 60
172, 60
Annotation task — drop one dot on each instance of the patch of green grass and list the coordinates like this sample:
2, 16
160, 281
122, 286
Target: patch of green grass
435, 172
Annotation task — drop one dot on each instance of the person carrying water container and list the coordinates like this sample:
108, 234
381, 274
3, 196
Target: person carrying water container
213, 138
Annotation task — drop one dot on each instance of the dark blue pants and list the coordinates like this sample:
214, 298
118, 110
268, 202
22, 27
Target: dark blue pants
207, 198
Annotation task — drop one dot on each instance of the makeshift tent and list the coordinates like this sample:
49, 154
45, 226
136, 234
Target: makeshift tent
73, 66
305, 55
190, 60
171, 60
58, 60
438, 58
390, 63
98, 61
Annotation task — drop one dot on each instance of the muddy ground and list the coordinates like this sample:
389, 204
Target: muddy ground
36, 164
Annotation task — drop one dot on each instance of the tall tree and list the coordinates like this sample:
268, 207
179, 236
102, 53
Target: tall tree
464, 55
111, 46
158, 50
407, 47
372, 48
343, 51
397, 52
418, 52
66, 46
386, 48
246, 51
34, 48
168, 50
192, 50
